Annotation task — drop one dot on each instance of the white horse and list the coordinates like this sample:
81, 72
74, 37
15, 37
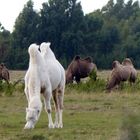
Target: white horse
45, 75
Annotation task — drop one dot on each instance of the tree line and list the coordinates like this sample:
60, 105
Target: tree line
107, 34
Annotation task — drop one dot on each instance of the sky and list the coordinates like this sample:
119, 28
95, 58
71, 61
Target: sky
10, 9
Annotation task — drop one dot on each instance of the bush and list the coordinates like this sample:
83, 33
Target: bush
9, 89
89, 86
93, 75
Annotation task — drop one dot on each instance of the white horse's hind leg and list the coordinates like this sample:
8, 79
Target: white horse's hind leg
47, 101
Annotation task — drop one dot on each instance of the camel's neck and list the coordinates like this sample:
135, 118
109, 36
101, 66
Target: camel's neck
35, 102
35, 60
50, 54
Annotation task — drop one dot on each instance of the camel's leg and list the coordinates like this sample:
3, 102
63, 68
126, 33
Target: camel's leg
77, 78
55, 97
58, 96
60, 103
47, 101
26, 93
6, 80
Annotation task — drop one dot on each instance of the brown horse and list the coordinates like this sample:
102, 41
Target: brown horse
79, 68
4, 73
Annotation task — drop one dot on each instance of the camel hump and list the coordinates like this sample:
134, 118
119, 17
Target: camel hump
77, 57
89, 59
2, 64
127, 61
115, 64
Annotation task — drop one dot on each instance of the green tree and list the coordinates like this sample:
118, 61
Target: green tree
62, 23
25, 33
25, 29
4, 45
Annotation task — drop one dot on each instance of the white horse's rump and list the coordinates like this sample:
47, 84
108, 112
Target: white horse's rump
45, 74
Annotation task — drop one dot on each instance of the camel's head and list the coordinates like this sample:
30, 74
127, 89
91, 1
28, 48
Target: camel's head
2, 65
32, 116
69, 77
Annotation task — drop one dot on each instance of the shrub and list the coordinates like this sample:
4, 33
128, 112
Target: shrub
9, 89
93, 75
89, 86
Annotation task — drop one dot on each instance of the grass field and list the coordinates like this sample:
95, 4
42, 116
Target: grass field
94, 115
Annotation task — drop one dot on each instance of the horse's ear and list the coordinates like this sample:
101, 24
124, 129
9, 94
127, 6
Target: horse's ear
89, 59
77, 57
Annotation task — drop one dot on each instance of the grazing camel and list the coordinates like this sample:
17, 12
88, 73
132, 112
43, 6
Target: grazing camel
45, 75
121, 72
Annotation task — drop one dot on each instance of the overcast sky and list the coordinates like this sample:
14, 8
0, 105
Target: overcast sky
10, 9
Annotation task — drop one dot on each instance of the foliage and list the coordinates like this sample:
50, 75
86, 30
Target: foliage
6, 89
24, 33
106, 34
93, 75
11, 88
88, 86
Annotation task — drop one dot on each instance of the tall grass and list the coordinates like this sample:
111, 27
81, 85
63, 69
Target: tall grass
99, 85
9, 89
88, 86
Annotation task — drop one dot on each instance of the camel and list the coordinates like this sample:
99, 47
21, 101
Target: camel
4, 73
79, 68
122, 72
47, 76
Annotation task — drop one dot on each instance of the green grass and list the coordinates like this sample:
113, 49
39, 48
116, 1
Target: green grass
90, 113
94, 116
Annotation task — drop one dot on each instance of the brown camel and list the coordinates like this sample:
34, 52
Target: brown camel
122, 72
128, 63
4, 73
79, 68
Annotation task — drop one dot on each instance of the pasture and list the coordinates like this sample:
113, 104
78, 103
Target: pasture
89, 113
